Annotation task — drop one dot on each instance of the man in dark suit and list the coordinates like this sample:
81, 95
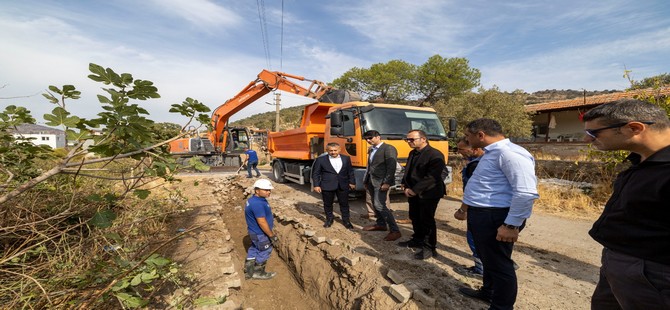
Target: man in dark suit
333, 176
423, 186
380, 175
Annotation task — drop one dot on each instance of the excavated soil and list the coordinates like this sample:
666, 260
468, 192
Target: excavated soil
336, 268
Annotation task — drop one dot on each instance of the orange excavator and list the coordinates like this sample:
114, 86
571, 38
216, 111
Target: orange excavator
223, 145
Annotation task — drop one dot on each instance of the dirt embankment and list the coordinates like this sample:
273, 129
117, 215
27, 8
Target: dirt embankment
349, 269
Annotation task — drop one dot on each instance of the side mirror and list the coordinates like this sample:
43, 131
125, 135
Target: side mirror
452, 128
336, 119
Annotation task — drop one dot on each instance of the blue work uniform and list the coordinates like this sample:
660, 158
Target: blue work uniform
261, 247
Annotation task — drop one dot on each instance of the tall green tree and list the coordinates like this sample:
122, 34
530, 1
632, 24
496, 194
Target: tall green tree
442, 78
506, 108
389, 82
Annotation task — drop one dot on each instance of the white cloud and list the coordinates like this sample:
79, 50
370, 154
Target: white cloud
204, 14
398, 24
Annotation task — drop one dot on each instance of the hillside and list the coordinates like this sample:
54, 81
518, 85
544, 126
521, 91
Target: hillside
549, 95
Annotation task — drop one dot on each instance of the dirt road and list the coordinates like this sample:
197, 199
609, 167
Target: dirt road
558, 260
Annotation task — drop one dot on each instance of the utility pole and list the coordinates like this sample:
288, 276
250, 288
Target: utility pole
277, 105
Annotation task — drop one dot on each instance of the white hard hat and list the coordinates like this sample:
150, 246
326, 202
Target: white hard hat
263, 184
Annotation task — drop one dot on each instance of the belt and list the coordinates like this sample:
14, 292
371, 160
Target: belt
487, 209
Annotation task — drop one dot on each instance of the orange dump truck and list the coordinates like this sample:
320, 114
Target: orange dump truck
294, 150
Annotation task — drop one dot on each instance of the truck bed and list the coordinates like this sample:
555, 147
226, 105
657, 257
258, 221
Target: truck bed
304, 142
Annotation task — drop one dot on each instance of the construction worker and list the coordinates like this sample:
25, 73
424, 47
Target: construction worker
251, 162
259, 226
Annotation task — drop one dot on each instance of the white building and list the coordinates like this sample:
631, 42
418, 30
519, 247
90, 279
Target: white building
42, 135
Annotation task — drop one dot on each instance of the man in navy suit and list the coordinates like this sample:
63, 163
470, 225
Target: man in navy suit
333, 176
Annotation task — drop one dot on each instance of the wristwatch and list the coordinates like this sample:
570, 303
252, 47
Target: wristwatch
511, 226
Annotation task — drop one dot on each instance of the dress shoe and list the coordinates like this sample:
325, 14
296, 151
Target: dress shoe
425, 253
411, 243
348, 225
392, 236
374, 228
476, 294
328, 223
470, 272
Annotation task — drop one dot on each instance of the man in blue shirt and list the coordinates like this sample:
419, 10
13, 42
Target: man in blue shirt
251, 161
498, 199
471, 156
259, 226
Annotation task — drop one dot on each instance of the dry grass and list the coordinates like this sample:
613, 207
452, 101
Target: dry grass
561, 201
568, 202
539, 155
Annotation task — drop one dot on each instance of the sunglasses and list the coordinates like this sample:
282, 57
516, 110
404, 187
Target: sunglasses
593, 133
410, 139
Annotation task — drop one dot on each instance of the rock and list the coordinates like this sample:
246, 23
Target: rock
400, 292
352, 261
395, 276
421, 296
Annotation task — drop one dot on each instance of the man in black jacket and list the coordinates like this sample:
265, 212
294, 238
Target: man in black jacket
423, 186
333, 175
379, 177
635, 225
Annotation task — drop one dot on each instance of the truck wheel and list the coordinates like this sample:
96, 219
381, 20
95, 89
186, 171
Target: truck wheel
278, 172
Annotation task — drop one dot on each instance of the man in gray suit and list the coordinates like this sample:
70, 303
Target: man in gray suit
379, 177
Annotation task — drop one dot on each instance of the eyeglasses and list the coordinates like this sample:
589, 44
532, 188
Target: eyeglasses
410, 139
368, 138
593, 133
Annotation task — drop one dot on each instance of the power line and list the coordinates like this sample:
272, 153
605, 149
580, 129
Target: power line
264, 30
281, 44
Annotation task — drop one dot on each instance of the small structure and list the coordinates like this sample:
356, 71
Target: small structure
561, 121
42, 135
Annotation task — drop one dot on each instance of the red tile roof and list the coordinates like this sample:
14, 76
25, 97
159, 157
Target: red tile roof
594, 100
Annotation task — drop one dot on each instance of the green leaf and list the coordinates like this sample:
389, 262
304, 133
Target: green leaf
157, 260
70, 92
51, 98
131, 301
78, 136
99, 74
94, 198
137, 279
209, 301
141, 193
103, 218
103, 99
59, 117
147, 277
120, 285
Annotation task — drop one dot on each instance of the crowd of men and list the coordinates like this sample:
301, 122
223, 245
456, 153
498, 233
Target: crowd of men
500, 188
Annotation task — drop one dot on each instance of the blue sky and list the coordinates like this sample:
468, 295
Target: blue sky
210, 50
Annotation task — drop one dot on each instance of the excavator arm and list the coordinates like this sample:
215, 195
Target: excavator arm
266, 82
